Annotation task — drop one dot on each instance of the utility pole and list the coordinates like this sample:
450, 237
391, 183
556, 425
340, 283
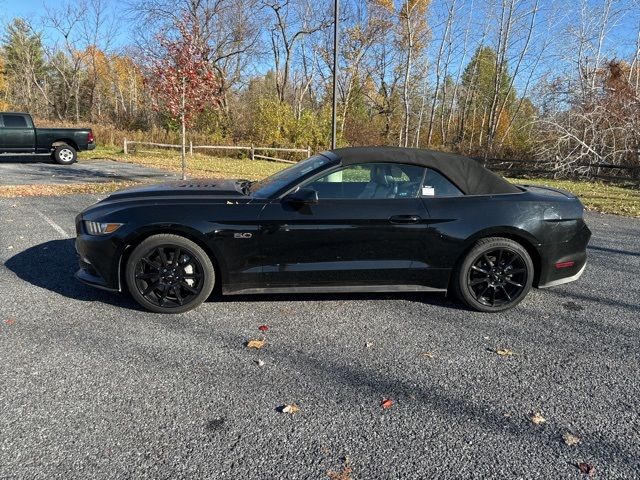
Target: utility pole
334, 122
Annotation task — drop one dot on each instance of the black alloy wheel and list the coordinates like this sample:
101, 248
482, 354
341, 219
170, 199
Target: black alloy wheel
169, 274
495, 275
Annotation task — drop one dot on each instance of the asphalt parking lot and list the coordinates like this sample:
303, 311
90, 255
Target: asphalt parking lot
40, 169
92, 387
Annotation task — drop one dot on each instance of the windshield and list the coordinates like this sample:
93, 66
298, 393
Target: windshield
269, 186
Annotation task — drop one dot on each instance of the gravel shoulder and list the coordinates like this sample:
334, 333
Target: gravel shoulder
93, 387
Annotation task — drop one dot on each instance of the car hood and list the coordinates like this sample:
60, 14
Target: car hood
209, 187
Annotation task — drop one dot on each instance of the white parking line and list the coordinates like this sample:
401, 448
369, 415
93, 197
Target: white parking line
55, 226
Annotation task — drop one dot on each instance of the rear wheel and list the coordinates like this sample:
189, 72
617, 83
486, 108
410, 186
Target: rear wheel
496, 275
169, 274
65, 154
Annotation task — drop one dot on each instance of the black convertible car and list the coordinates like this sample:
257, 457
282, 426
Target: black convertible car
347, 220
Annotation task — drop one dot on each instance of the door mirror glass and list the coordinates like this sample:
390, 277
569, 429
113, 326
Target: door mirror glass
302, 196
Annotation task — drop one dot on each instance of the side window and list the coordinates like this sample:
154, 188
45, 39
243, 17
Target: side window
370, 180
14, 121
437, 185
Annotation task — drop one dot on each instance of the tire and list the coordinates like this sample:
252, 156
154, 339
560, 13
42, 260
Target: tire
494, 276
162, 285
65, 154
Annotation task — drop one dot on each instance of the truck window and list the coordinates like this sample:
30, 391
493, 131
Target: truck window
14, 121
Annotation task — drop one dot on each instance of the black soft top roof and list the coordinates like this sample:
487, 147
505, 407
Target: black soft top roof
471, 177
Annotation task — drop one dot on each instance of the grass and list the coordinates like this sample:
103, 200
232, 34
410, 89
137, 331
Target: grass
198, 165
596, 196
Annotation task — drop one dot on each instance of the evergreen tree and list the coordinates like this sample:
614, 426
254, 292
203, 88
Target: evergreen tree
24, 64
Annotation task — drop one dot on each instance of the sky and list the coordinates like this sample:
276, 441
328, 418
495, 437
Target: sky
621, 41
35, 9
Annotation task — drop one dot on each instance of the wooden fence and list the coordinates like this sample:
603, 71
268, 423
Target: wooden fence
534, 168
511, 167
250, 149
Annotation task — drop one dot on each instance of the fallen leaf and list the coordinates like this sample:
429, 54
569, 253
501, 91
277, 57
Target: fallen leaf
290, 409
537, 419
386, 403
570, 439
368, 344
257, 344
504, 352
587, 468
260, 363
263, 328
10, 321
344, 474
427, 354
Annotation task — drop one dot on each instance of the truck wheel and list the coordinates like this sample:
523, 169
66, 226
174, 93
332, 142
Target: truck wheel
65, 154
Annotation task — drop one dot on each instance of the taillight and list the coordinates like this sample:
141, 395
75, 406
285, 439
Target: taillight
90, 137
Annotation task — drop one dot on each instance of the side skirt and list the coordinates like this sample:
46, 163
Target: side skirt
336, 289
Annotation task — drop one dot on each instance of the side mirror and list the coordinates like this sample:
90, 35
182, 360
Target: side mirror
302, 196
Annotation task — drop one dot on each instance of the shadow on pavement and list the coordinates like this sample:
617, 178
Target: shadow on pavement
52, 266
613, 250
46, 158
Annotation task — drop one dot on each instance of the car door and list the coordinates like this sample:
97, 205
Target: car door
367, 228
450, 214
17, 133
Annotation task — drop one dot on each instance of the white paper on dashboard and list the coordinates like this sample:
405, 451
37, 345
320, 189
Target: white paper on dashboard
428, 191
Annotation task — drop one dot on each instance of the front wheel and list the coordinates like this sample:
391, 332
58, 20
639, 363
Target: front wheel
496, 275
169, 274
65, 154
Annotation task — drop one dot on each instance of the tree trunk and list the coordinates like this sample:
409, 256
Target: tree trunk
182, 148
183, 130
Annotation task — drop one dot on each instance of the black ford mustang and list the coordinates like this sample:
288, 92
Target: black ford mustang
352, 219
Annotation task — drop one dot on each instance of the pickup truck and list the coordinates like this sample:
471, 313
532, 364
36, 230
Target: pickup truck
19, 135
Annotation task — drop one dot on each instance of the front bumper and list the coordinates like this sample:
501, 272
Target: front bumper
99, 259
88, 275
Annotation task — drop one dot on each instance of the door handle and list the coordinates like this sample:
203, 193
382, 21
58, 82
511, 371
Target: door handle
404, 219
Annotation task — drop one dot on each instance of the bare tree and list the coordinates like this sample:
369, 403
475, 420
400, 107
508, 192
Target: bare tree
292, 21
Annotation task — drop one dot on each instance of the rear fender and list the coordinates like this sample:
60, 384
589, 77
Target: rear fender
528, 241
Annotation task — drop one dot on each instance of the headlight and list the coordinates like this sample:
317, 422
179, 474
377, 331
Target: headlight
97, 228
